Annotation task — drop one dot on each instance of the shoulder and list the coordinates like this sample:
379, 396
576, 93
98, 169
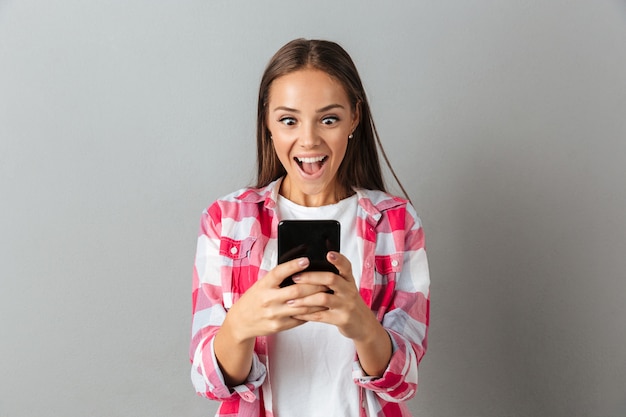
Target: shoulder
387, 208
376, 202
244, 202
247, 195
380, 199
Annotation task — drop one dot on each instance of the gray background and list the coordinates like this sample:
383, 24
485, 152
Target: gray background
120, 121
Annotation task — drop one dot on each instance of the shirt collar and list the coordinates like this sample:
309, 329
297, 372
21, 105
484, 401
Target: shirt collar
373, 202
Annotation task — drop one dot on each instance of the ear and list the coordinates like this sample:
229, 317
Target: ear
356, 116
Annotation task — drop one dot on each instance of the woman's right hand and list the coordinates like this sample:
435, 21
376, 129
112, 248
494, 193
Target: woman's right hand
264, 309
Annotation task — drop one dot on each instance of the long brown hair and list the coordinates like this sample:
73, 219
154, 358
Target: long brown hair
360, 167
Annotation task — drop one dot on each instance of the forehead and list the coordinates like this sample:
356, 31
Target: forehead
307, 86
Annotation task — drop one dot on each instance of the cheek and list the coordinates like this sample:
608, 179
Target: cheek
281, 148
341, 148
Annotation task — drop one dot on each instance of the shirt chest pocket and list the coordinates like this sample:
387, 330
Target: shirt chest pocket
238, 274
387, 268
387, 265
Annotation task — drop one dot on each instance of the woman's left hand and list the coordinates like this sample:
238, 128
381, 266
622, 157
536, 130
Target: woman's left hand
344, 307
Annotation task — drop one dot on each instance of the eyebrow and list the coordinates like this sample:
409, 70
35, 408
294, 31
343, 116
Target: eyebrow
322, 110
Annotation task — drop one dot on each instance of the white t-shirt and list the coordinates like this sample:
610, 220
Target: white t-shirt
311, 365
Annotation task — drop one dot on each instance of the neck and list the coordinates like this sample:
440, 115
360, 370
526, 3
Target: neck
331, 195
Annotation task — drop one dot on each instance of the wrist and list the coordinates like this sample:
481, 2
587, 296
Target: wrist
373, 333
374, 351
370, 329
236, 334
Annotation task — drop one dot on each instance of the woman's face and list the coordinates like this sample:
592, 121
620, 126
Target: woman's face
310, 118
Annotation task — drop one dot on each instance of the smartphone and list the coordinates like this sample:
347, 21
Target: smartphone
310, 238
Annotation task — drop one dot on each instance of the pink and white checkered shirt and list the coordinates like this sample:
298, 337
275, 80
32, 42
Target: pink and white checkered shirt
230, 257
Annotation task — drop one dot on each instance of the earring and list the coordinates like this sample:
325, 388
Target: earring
351, 136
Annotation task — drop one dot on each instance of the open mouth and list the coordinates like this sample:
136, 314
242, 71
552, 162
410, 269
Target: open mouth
311, 165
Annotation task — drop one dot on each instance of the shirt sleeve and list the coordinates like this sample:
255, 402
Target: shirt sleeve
208, 313
406, 317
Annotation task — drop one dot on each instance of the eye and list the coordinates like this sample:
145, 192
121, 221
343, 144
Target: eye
287, 121
330, 120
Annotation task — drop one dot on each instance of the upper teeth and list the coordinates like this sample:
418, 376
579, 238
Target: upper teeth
311, 160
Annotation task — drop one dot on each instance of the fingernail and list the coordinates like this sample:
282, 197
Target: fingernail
290, 302
332, 256
296, 278
303, 262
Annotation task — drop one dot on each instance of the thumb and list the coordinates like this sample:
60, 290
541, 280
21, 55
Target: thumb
342, 264
286, 270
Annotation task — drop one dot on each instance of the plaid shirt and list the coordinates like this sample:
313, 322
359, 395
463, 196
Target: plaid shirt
231, 256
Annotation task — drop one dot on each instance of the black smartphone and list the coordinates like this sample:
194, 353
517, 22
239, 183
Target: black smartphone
310, 238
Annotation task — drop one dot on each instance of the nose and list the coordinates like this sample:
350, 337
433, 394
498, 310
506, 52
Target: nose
309, 136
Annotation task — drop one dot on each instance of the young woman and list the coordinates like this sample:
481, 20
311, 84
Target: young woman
302, 350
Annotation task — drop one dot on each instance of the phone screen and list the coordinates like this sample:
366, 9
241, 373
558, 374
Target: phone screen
310, 238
